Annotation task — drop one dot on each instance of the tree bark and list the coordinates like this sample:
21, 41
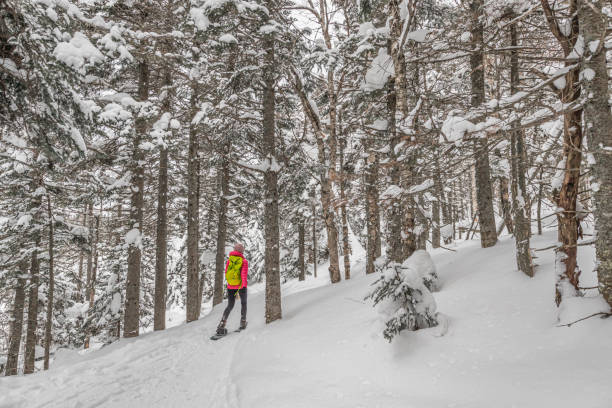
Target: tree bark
593, 25
271, 231
115, 325
91, 279
161, 236
520, 197
79, 288
395, 247
224, 187
30, 344
436, 205
89, 265
131, 325
325, 176
372, 212
566, 260
484, 194
540, 194
302, 250
504, 198
314, 236
346, 248
49, 321
12, 357
193, 217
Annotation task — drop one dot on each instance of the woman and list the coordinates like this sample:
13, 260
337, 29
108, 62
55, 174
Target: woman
236, 273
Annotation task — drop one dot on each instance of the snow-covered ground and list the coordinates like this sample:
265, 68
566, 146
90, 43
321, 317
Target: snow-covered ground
502, 349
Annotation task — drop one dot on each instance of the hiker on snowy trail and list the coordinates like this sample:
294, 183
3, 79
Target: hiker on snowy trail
236, 271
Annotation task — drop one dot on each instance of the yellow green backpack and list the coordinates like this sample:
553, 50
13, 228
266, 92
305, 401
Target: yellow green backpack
232, 274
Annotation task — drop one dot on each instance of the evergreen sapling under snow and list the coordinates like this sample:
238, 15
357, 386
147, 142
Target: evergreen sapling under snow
403, 296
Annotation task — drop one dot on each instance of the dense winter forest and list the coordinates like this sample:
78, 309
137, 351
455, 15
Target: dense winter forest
141, 139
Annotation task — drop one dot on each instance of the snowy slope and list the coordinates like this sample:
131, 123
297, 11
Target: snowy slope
502, 349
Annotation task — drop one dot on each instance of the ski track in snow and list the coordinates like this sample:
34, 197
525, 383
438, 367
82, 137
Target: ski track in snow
502, 350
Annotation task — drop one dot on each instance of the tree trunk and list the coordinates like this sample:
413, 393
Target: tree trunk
331, 228
327, 185
566, 265
30, 344
131, 325
346, 248
161, 236
325, 176
224, 187
193, 217
522, 224
314, 236
395, 247
161, 244
504, 198
593, 24
484, 194
115, 324
12, 357
372, 212
79, 288
89, 266
91, 280
49, 321
421, 238
301, 263
271, 231
437, 205
540, 193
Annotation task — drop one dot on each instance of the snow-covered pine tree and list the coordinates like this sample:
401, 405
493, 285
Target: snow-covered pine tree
403, 296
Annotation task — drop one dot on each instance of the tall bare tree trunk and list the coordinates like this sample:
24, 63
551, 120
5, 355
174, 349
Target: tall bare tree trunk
161, 236
504, 198
224, 180
372, 211
314, 235
79, 288
327, 182
30, 344
346, 248
12, 357
522, 225
115, 324
484, 193
131, 325
325, 176
540, 194
566, 260
49, 321
91, 280
302, 250
437, 205
89, 265
193, 218
272, 254
593, 25
394, 222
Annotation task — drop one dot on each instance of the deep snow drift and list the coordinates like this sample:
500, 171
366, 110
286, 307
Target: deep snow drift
502, 349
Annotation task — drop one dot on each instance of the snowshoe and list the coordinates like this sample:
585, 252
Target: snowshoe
221, 331
243, 325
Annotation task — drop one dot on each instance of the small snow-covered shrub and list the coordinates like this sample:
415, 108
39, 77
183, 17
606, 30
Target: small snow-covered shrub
402, 294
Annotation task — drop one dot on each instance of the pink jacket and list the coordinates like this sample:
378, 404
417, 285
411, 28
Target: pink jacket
244, 271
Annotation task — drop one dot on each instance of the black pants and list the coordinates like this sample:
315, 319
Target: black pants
231, 300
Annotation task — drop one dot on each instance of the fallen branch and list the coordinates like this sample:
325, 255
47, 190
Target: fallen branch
443, 247
604, 316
